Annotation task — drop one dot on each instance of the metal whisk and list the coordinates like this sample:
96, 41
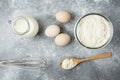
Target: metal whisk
28, 63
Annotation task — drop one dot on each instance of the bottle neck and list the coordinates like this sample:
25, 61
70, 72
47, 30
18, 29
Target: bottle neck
14, 22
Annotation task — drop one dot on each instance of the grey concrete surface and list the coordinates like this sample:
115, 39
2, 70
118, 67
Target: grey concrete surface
13, 46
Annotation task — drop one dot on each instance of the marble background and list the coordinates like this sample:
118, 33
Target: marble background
13, 46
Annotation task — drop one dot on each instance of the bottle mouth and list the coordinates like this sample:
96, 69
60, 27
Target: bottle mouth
110, 25
20, 25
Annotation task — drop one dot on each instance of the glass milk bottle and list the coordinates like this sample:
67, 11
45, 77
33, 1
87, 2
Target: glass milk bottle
27, 27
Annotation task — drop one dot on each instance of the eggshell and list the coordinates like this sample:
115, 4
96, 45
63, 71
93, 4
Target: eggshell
52, 31
63, 16
62, 39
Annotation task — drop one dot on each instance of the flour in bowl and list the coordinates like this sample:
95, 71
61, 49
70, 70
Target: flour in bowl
93, 31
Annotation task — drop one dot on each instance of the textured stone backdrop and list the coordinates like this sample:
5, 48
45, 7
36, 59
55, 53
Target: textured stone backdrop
13, 46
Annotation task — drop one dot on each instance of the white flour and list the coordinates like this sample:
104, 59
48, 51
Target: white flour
68, 64
93, 31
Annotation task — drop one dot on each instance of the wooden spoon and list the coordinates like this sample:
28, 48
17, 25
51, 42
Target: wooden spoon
69, 63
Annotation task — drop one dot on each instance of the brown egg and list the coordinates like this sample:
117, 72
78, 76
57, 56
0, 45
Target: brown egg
63, 16
62, 39
52, 31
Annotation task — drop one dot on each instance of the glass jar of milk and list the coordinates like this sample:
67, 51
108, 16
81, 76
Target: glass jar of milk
25, 26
